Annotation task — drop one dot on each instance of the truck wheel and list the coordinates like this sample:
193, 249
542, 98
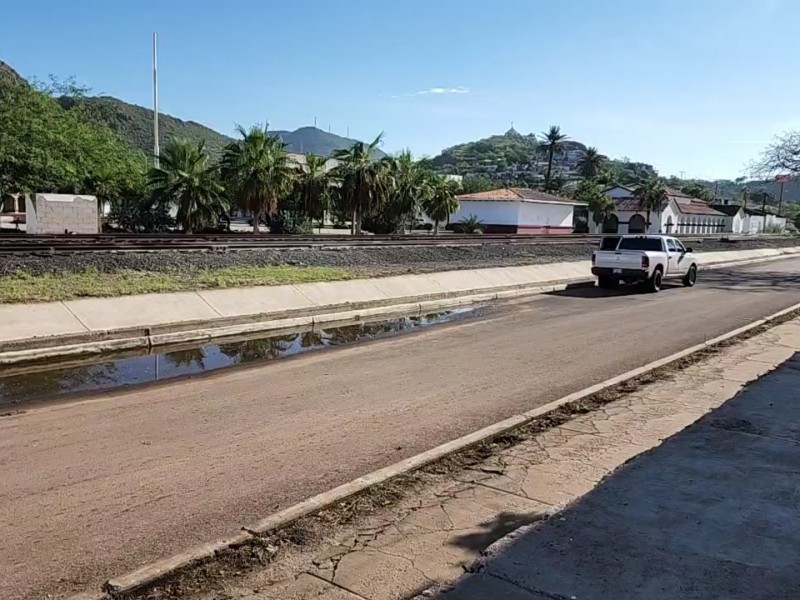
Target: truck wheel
606, 283
691, 276
654, 283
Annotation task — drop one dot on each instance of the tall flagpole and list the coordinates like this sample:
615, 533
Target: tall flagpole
156, 150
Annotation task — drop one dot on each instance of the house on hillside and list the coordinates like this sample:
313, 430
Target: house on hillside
519, 210
682, 214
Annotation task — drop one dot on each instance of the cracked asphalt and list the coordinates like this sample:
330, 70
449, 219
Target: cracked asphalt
97, 486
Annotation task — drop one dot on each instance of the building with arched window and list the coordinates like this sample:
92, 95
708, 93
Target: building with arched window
682, 214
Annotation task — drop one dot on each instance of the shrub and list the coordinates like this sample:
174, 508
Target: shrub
291, 222
471, 224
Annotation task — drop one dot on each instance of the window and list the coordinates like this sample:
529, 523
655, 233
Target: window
671, 246
640, 243
679, 247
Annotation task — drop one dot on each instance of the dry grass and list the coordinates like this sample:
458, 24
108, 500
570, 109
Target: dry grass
24, 288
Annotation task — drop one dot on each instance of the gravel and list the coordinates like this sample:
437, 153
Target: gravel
367, 261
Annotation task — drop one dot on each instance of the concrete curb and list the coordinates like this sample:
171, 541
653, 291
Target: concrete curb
441, 291
159, 570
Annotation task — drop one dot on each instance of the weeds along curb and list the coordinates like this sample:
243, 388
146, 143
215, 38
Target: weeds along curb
261, 543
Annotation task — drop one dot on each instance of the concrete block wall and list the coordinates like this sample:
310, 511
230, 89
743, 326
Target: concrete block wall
57, 213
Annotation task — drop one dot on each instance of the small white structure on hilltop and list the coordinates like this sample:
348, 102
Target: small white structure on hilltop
61, 213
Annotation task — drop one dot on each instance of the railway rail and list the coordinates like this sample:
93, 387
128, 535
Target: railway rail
225, 242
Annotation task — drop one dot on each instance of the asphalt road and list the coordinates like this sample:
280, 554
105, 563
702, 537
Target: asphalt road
92, 488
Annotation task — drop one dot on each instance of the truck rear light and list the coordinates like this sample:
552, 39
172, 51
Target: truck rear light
594, 258
645, 262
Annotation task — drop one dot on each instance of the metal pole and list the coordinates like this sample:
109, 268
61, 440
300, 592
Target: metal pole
156, 150
780, 202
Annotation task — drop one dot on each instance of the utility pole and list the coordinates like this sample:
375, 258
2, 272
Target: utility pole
156, 150
780, 201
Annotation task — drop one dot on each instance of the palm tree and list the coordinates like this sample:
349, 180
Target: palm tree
591, 163
313, 186
360, 177
405, 186
653, 197
258, 171
186, 179
552, 142
441, 202
599, 204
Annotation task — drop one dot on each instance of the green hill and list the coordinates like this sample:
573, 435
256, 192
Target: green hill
134, 124
522, 158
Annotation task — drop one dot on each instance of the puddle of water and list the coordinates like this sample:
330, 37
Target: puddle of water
112, 372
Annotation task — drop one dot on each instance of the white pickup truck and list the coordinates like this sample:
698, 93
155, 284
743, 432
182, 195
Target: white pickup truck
643, 259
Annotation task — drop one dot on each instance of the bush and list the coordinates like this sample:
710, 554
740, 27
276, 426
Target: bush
141, 216
382, 224
471, 224
291, 222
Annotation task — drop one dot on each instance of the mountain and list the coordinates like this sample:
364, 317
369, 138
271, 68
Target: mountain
134, 124
9, 74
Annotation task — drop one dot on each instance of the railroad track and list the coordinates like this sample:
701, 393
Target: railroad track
61, 244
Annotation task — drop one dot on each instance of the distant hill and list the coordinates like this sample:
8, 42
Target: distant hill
9, 74
134, 124
513, 157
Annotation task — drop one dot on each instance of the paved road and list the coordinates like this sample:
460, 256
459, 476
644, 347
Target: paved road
93, 488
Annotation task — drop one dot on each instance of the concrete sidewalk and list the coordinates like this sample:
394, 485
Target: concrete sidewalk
93, 325
710, 513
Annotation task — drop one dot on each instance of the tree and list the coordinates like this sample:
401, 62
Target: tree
258, 172
441, 201
185, 178
652, 197
599, 204
695, 190
477, 184
313, 185
360, 178
44, 148
552, 142
591, 163
781, 156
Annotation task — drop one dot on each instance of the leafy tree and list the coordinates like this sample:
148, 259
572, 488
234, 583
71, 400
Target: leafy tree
403, 186
477, 184
696, 190
591, 163
441, 200
258, 172
313, 187
360, 179
552, 144
185, 178
600, 205
44, 148
652, 197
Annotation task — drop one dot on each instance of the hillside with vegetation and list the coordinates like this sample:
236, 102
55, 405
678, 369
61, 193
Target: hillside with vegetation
522, 159
134, 125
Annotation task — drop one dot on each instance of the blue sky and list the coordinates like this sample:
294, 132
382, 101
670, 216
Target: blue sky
693, 86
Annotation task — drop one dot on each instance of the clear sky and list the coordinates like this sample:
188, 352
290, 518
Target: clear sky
693, 86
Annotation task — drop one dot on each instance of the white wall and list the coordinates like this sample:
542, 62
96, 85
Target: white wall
57, 213
533, 214
491, 213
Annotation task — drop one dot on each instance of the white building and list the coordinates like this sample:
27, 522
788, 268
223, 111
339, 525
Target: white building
682, 214
735, 216
518, 210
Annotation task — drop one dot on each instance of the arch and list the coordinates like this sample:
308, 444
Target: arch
611, 224
669, 226
637, 224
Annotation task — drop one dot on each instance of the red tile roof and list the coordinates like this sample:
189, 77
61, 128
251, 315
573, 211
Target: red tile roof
696, 207
516, 195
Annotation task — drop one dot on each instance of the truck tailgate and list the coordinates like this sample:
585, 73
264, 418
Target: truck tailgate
619, 259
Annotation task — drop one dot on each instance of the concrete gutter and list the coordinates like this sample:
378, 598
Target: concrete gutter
152, 573
31, 332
